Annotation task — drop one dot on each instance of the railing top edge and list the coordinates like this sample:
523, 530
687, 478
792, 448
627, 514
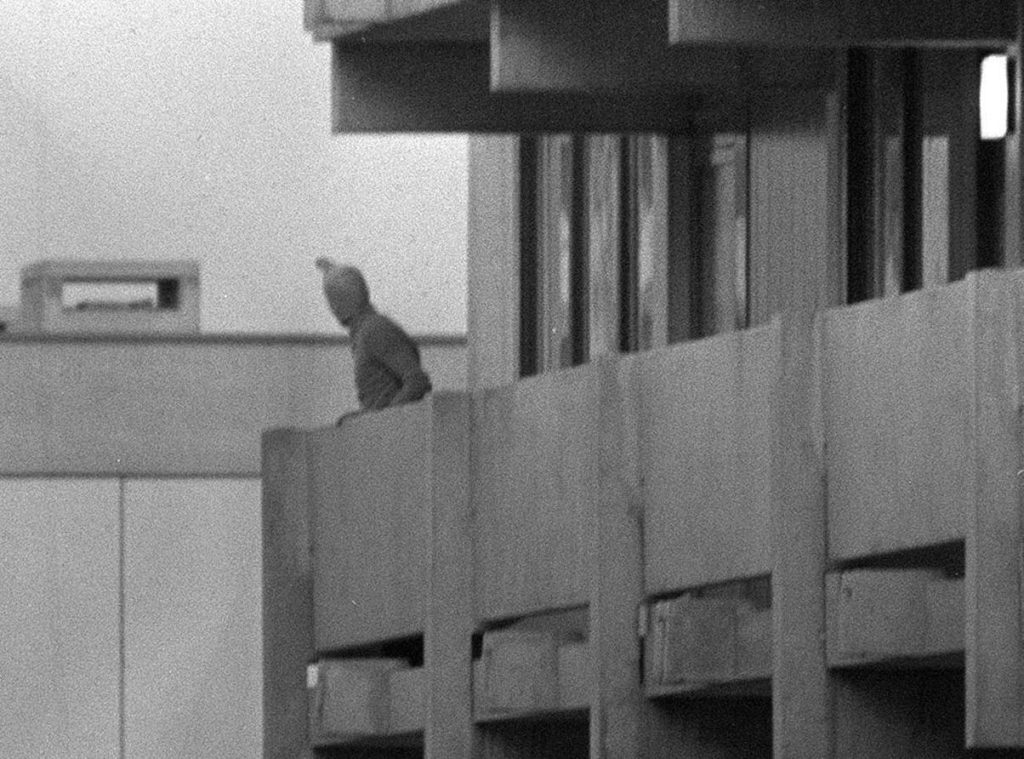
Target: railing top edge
962, 288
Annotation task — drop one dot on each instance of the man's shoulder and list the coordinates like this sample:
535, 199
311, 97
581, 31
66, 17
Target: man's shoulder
380, 329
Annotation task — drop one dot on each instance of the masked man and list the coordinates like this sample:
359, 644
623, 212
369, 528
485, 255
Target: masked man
386, 361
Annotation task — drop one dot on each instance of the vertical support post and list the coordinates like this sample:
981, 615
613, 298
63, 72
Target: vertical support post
311, 14
450, 612
624, 724
836, 199
994, 614
287, 594
801, 691
1013, 236
493, 287
615, 551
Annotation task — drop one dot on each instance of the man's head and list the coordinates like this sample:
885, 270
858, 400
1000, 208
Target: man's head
345, 289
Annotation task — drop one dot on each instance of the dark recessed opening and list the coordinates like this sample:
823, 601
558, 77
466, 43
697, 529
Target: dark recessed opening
168, 293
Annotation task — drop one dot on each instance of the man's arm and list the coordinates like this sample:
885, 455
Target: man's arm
397, 352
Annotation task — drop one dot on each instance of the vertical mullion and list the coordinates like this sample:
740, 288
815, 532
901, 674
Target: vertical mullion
529, 321
890, 85
860, 162
603, 242
1011, 223
651, 240
912, 253
1014, 222
629, 307
683, 304
578, 264
121, 621
742, 201
990, 188
879, 102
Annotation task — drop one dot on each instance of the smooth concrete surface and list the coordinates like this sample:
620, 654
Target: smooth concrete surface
131, 618
60, 674
192, 648
174, 406
898, 396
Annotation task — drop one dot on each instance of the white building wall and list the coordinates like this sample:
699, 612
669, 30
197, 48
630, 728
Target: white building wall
130, 546
131, 618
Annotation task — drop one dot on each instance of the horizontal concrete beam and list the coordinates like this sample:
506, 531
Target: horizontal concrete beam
624, 32
416, 87
625, 48
842, 22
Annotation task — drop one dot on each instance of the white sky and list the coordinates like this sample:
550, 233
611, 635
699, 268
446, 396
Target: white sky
149, 129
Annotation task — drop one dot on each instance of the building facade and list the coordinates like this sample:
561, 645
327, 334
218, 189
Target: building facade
130, 481
738, 469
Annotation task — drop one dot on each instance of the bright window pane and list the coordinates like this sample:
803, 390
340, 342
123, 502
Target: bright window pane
555, 241
603, 240
722, 235
652, 240
85, 295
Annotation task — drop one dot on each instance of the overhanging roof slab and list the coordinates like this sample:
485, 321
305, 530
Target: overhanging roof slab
912, 23
429, 87
397, 20
608, 45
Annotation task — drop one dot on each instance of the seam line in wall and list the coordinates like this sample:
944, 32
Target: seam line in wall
122, 738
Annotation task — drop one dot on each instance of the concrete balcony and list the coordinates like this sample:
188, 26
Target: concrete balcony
372, 479
822, 461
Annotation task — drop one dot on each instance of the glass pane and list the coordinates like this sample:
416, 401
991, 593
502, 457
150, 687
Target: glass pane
603, 170
88, 295
722, 234
959, 188
554, 257
935, 211
652, 240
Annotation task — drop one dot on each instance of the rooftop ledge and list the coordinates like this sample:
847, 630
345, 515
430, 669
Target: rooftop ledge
216, 338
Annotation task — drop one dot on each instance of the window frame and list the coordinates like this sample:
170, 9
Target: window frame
680, 252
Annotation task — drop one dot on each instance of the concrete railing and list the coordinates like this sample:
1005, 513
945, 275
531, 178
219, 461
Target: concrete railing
879, 438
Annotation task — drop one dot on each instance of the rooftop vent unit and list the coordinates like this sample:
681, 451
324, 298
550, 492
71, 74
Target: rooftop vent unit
111, 297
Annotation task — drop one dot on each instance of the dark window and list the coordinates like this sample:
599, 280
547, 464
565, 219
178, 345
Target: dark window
645, 243
553, 266
708, 208
629, 242
528, 301
925, 195
168, 293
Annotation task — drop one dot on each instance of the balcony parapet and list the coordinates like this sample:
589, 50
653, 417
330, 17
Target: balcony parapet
865, 437
367, 538
371, 481
900, 412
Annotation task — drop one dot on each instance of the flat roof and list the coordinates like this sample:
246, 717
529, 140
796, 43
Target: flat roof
126, 269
